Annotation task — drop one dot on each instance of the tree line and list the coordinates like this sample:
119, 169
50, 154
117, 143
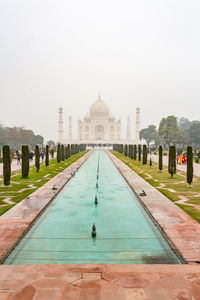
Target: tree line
17, 136
140, 153
63, 152
173, 131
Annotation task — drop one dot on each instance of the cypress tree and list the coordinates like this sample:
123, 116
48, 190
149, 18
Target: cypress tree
126, 150
6, 165
62, 153
58, 153
66, 156
69, 151
25, 161
172, 161
47, 155
37, 158
144, 156
160, 162
52, 152
134, 152
139, 152
150, 162
131, 151
189, 165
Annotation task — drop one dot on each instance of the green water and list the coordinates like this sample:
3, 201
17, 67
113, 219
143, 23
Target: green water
125, 232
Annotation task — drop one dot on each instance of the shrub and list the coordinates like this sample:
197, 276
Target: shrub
37, 158
172, 161
25, 161
160, 162
66, 157
144, 156
62, 153
47, 156
6, 165
134, 152
131, 151
139, 152
58, 153
197, 160
189, 165
126, 150
52, 152
165, 154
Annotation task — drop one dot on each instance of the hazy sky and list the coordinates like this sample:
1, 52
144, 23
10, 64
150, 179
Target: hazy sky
136, 53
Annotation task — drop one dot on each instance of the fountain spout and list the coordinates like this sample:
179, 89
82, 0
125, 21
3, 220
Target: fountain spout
96, 200
93, 233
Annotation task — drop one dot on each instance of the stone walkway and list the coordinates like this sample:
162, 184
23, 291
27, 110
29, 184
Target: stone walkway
100, 282
182, 168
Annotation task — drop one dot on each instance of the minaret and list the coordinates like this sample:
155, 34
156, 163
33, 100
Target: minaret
60, 126
70, 129
128, 129
137, 126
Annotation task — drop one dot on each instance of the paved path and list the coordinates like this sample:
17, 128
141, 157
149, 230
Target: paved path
16, 167
182, 168
100, 282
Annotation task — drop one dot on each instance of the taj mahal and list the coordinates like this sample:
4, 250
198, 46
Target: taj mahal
98, 126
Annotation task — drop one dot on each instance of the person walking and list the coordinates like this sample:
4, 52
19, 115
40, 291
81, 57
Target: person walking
42, 155
18, 158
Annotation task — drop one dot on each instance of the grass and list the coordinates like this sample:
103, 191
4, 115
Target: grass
172, 188
20, 187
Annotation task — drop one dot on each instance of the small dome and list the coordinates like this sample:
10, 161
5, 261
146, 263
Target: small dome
99, 108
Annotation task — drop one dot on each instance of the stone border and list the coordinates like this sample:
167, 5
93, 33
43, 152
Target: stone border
15, 223
180, 228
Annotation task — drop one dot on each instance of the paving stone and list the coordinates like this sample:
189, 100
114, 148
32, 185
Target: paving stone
132, 282
134, 294
70, 292
27, 293
11, 284
5, 295
46, 294
91, 276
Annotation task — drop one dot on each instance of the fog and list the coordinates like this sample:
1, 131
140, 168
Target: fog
135, 53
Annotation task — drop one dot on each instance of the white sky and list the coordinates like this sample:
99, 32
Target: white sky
136, 53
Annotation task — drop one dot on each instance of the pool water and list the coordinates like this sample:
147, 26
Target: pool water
125, 232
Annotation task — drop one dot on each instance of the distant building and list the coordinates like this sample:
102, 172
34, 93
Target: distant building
98, 126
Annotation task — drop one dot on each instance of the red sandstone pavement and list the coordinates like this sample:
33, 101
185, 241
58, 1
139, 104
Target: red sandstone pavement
100, 282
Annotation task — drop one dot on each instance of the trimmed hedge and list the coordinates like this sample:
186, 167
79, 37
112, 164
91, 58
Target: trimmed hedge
25, 161
47, 155
160, 161
37, 158
172, 161
58, 153
189, 165
6, 165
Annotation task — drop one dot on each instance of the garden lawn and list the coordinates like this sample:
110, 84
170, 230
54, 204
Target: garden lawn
176, 188
20, 187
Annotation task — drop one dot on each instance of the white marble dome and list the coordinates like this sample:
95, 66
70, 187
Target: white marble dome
99, 108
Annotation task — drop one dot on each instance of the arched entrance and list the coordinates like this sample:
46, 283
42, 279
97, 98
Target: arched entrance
99, 132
